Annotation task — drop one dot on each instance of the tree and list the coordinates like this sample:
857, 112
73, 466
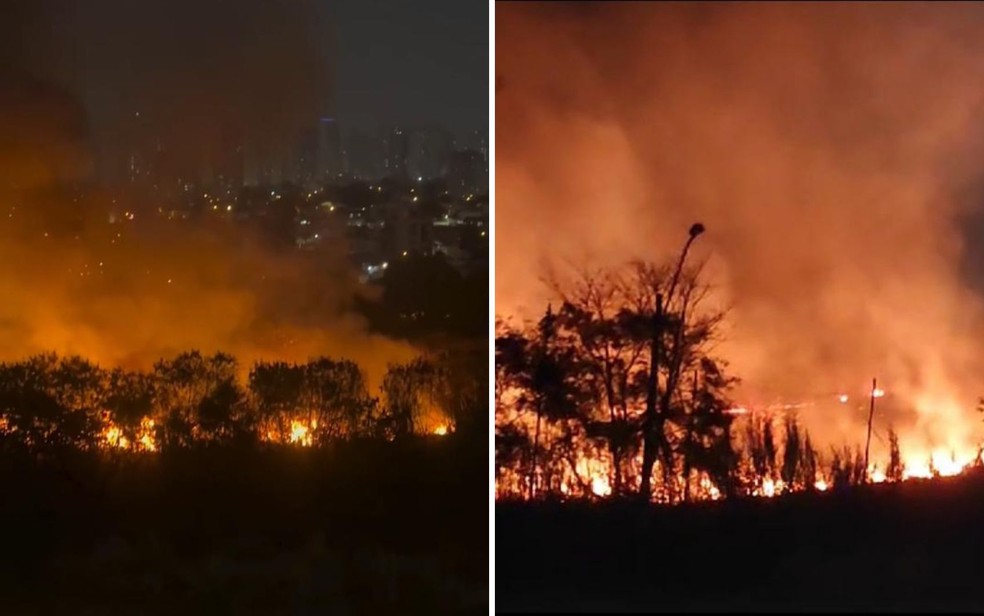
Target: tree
276, 389
404, 389
221, 412
608, 358
460, 388
183, 384
584, 373
336, 398
791, 454
894, 471
809, 464
130, 401
541, 374
667, 312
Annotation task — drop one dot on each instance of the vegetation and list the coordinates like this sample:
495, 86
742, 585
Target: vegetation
618, 394
193, 400
284, 486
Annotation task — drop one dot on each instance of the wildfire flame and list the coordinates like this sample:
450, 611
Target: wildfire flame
300, 433
589, 472
114, 437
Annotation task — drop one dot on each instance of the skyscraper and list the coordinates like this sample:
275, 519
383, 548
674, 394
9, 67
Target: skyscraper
329, 163
395, 150
429, 150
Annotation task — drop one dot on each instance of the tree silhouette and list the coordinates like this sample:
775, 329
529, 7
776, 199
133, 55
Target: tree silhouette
894, 471
276, 389
541, 373
404, 388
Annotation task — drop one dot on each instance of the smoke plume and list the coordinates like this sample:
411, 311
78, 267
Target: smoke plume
146, 287
830, 149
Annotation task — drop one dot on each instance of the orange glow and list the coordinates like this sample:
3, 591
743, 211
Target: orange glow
300, 433
114, 437
806, 260
441, 430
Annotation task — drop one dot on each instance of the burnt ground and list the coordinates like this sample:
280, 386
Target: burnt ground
917, 546
365, 528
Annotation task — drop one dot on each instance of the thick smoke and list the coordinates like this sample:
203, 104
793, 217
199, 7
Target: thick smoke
831, 151
131, 292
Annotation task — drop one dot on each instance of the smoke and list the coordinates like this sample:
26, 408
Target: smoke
143, 288
830, 149
195, 80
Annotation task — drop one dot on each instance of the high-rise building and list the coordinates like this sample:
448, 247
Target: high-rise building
330, 163
364, 155
429, 150
395, 150
467, 173
307, 157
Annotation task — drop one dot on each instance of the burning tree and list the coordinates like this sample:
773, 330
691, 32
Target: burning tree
584, 380
539, 372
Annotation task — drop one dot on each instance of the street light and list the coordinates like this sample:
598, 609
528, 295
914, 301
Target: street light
656, 351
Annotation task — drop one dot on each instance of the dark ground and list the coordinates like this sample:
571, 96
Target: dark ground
366, 528
917, 546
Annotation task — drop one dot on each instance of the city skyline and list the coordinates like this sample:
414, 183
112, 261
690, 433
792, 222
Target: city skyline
193, 82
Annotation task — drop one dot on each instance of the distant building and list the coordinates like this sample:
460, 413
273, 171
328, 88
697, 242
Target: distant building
467, 173
429, 151
329, 161
364, 156
395, 151
408, 231
308, 157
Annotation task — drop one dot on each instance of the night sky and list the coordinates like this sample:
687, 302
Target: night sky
425, 61
203, 74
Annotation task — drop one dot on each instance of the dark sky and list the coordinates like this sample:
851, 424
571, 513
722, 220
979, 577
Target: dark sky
413, 61
204, 72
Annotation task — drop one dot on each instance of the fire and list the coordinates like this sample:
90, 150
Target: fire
114, 437
770, 488
146, 435
441, 430
600, 487
939, 464
300, 433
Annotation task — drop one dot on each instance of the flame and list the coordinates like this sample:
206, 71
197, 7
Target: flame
301, 434
146, 435
441, 430
114, 437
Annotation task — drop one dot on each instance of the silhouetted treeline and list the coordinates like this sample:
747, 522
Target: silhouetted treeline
617, 393
49, 402
277, 486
